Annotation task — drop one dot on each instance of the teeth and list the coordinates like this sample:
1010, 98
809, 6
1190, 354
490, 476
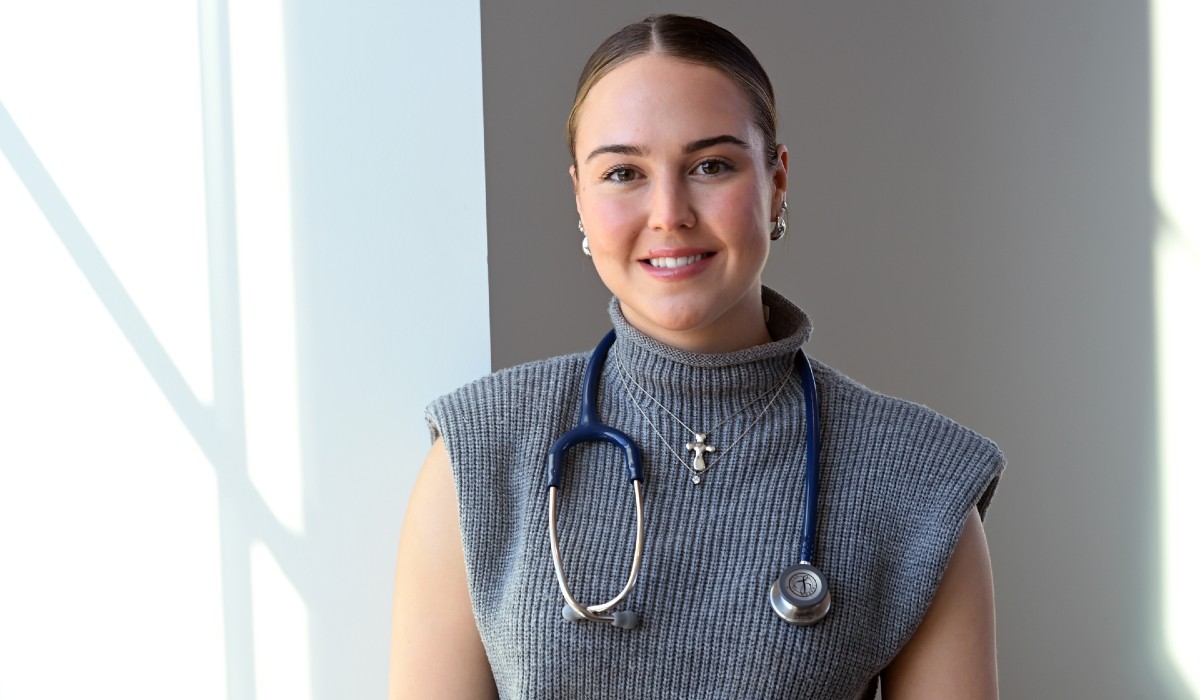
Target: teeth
675, 262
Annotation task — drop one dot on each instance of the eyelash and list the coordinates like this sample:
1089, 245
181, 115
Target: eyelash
608, 174
725, 167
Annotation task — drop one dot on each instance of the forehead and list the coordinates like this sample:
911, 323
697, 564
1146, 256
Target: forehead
657, 100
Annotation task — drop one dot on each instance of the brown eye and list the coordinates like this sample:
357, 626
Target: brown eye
620, 175
712, 167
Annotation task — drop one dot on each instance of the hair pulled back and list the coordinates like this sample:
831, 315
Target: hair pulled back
689, 39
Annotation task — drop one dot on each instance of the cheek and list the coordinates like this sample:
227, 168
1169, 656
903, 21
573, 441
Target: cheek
610, 220
742, 214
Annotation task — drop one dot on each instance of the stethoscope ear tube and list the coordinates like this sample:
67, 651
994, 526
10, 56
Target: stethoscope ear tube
590, 429
574, 610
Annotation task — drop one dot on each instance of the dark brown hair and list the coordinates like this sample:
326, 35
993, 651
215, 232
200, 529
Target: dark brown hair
689, 39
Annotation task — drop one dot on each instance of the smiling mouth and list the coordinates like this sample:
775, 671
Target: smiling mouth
677, 262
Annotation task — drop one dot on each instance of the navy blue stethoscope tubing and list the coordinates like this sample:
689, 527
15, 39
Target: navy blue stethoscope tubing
812, 449
592, 429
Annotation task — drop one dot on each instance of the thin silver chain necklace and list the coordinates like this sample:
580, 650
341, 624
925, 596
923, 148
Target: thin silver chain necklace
699, 445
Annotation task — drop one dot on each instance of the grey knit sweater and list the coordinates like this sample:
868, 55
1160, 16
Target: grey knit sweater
897, 482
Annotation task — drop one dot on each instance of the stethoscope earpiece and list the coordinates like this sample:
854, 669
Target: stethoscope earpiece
625, 619
800, 595
570, 615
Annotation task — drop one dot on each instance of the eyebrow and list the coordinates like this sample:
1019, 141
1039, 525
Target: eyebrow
713, 141
692, 147
619, 149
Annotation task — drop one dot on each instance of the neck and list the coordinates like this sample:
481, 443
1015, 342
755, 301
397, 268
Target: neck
742, 326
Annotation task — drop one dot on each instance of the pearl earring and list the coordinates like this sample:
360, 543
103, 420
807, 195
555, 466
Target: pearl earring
586, 250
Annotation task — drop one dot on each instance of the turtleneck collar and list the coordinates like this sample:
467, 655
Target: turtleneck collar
788, 326
667, 369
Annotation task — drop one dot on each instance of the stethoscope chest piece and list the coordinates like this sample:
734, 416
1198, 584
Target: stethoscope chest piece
800, 595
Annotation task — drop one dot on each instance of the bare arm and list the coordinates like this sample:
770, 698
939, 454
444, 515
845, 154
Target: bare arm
436, 650
953, 653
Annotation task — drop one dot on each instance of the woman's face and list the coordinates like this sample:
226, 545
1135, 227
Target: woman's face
678, 201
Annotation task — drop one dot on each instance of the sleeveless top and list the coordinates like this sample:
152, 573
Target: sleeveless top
897, 481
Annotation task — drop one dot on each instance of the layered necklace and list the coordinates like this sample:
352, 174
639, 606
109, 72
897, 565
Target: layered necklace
699, 445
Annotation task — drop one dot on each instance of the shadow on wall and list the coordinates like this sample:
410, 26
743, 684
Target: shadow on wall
264, 560
300, 423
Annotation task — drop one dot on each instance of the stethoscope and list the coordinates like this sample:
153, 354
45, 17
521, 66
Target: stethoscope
800, 595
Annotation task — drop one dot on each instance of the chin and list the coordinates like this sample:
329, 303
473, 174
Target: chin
676, 319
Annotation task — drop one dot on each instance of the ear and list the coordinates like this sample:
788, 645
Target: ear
780, 177
574, 185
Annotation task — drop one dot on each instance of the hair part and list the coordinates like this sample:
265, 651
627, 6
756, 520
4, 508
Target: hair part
689, 39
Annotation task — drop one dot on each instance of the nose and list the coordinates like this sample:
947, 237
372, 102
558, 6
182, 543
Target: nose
671, 207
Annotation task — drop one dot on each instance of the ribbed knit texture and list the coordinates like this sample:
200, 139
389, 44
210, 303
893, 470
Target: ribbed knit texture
897, 482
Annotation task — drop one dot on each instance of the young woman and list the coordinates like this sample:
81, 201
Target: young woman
681, 187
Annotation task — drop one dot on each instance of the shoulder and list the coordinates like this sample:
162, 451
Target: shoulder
846, 403
496, 429
904, 441
507, 395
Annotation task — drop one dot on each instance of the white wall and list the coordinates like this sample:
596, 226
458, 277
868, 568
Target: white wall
241, 245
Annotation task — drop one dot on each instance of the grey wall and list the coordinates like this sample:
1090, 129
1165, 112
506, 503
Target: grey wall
971, 228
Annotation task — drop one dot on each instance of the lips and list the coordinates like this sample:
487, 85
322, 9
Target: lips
676, 263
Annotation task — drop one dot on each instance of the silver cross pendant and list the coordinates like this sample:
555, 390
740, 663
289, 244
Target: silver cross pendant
700, 448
